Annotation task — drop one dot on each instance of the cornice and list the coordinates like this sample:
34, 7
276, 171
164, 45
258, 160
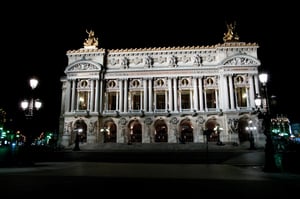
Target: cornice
184, 48
236, 44
178, 48
162, 49
86, 50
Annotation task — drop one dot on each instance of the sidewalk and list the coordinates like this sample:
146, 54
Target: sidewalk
189, 153
163, 147
165, 153
228, 153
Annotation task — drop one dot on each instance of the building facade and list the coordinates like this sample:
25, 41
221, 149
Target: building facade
169, 94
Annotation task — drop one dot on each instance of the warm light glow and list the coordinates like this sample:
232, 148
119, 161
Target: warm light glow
33, 83
37, 104
250, 126
24, 104
29, 105
263, 78
257, 101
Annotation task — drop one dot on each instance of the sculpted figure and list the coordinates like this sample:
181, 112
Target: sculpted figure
91, 40
230, 35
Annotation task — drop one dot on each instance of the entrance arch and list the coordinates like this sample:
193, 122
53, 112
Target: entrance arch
161, 131
242, 132
135, 131
210, 126
110, 132
186, 131
80, 127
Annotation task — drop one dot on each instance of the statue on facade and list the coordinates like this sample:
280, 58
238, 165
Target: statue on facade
230, 35
124, 62
198, 60
91, 40
148, 61
68, 128
173, 61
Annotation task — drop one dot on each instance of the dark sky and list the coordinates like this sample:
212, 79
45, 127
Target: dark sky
35, 39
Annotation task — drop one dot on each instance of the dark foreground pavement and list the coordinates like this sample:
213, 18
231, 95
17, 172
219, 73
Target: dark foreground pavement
141, 153
135, 171
167, 153
138, 180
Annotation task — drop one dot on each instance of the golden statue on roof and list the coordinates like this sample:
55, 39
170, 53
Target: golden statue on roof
230, 35
91, 40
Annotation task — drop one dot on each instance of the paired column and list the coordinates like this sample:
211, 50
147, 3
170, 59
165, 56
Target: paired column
195, 93
200, 88
121, 99
231, 94
170, 104
145, 104
125, 95
150, 103
92, 101
251, 90
73, 82
175, 94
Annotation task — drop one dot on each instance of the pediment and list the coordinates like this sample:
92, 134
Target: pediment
241, 60
83, 66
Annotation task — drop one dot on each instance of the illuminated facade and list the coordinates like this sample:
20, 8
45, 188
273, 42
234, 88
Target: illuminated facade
159, 94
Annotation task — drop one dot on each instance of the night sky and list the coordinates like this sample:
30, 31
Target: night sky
35, 41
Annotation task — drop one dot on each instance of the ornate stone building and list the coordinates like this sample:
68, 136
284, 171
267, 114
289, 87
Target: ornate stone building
160, 94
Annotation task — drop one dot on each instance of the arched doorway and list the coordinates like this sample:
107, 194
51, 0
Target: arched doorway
161, 131
242, 132
186, 131
210, 127
135, 131
109, 132
80, 128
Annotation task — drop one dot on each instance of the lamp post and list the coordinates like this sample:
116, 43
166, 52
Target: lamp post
207, 134
270, 165
250, 128
77, 139
218, 129
106, 134
30, 105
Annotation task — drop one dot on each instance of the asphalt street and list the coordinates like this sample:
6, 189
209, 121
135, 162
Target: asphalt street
239, 174
55, 179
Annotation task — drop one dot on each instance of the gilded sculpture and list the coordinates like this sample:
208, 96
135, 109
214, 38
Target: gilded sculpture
230, 35
91, 40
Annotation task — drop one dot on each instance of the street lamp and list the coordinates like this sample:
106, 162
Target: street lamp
77, 139
270, 165
29, 105
257, 102
263, 78
250, 128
